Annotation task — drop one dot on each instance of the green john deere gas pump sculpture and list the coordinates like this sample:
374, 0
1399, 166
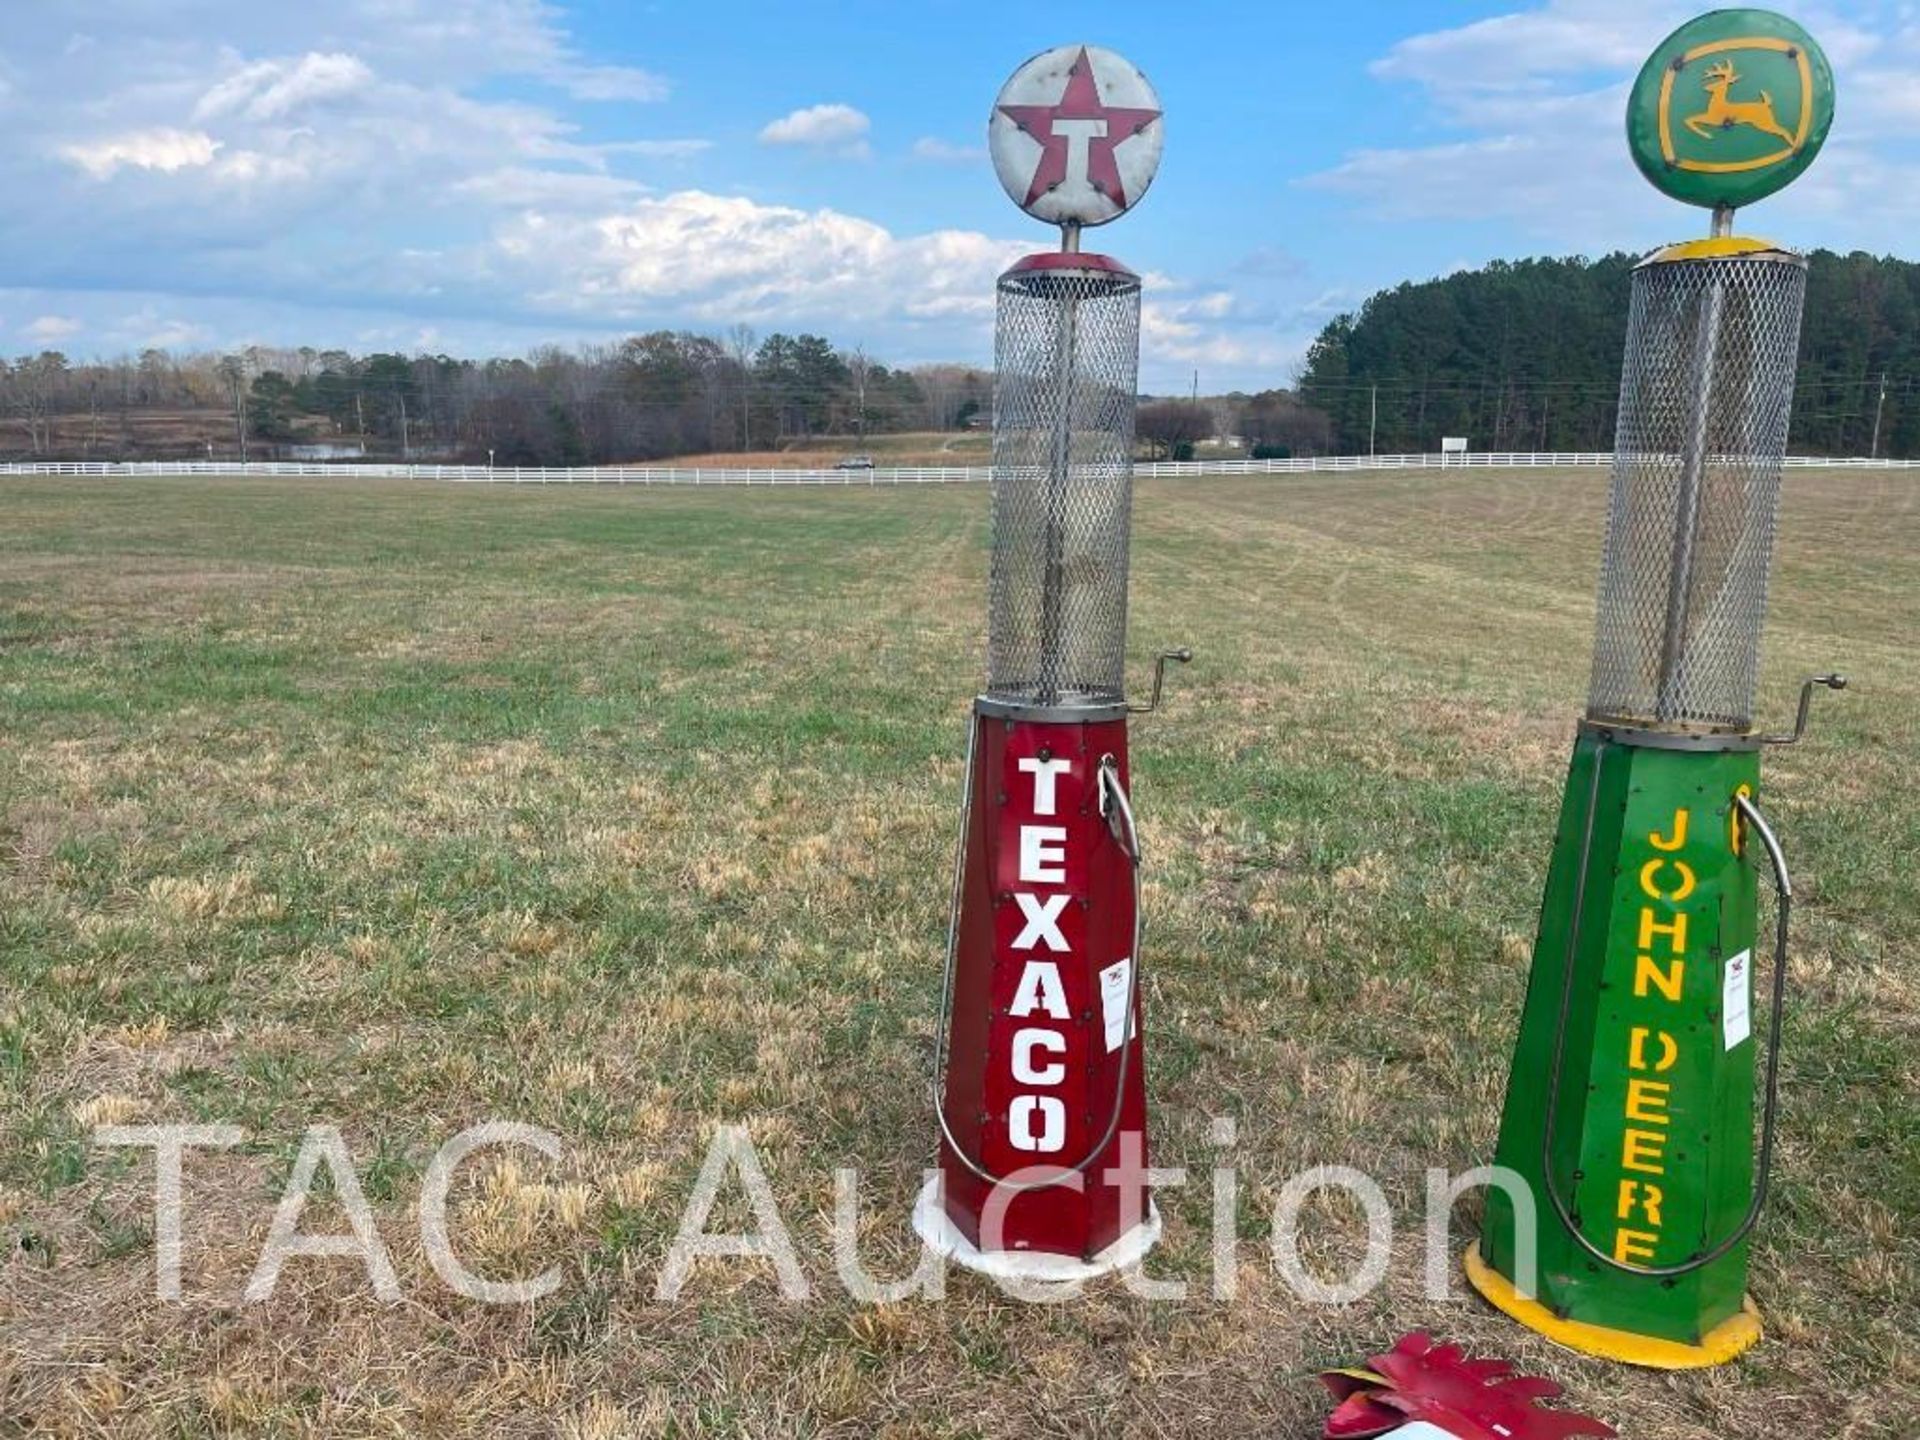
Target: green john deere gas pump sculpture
1630, 1111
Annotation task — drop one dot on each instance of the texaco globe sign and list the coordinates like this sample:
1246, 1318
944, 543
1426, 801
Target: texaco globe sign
1076, 135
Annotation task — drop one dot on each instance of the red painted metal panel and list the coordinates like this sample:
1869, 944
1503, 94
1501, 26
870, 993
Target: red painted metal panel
1047, 906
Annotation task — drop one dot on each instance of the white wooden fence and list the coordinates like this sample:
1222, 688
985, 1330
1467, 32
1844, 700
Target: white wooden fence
880, 475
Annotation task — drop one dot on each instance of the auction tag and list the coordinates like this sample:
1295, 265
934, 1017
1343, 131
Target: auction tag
1736, 1000
1115, 981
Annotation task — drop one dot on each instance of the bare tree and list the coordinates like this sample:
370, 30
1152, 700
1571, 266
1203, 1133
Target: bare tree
951, 393
651, 396
1277, 422
1169, 426
233, 370
857, 372
36, 382
741, 347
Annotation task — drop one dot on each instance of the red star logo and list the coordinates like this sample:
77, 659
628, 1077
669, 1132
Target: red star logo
1080, 101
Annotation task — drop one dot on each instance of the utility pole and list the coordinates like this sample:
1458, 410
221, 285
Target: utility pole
1196, 387
1373, 417
1878, 409
860, 389
240, 415
740, 346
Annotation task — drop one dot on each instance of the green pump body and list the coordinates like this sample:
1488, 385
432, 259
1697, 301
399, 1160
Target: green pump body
1650, 908
1629, 1119
1630, 1113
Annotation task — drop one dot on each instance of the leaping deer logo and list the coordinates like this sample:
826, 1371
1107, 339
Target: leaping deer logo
1724, 114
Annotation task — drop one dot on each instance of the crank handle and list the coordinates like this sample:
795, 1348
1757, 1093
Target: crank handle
1831, 682
1181, 656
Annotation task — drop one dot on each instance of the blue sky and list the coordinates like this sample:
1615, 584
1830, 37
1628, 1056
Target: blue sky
483, 176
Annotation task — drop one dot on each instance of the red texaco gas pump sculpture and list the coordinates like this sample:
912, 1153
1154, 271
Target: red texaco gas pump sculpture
1042, 1099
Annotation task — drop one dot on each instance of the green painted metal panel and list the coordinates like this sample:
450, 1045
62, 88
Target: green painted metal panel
1653, 1131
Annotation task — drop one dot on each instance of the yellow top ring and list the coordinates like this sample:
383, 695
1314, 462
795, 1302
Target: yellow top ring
1723, 247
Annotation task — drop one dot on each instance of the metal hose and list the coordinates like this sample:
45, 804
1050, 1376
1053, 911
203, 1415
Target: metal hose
1783, 884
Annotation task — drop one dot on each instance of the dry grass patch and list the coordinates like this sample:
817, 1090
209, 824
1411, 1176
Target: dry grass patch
628, 813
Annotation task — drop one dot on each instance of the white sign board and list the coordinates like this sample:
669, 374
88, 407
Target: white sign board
1453, 445
1736, 1004
1076, 135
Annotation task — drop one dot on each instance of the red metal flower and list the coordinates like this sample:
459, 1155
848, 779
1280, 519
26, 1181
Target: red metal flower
1420, 1379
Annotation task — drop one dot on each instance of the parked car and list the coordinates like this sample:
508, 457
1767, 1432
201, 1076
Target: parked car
855, 462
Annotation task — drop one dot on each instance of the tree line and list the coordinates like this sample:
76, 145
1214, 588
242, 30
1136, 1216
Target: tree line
654, 395
1525, 355
1273, 424
1519, 355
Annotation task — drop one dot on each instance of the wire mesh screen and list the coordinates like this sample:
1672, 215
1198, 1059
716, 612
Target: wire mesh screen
1066, 358
1704, 400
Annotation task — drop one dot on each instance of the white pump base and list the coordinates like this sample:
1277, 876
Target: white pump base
930, 1222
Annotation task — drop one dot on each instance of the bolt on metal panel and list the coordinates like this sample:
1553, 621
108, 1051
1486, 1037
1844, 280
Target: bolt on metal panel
1705, 396
1066, 359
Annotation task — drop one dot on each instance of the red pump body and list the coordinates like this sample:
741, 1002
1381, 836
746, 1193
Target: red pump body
1045, 1016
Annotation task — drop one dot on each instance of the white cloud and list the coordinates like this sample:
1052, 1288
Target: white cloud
1559, 182
1190, 330
525, 186
325, 133
1270, 262
657, 149
149, 332
162, 148
49, 328
254, 167
722, 259
1337, 298
945, 152
1540, 93
1506, 69
819, 127
609, 82
272, 89
1517, 51
282, 179
465, 39
1531, 103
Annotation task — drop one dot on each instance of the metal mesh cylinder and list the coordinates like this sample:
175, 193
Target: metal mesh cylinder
1705, 394
1066, 363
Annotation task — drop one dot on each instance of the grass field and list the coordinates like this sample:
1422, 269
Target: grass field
628, 813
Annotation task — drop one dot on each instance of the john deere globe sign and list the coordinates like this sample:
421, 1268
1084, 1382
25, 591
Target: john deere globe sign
1731, 107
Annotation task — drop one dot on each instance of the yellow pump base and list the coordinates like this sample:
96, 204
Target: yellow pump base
1726, 1340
